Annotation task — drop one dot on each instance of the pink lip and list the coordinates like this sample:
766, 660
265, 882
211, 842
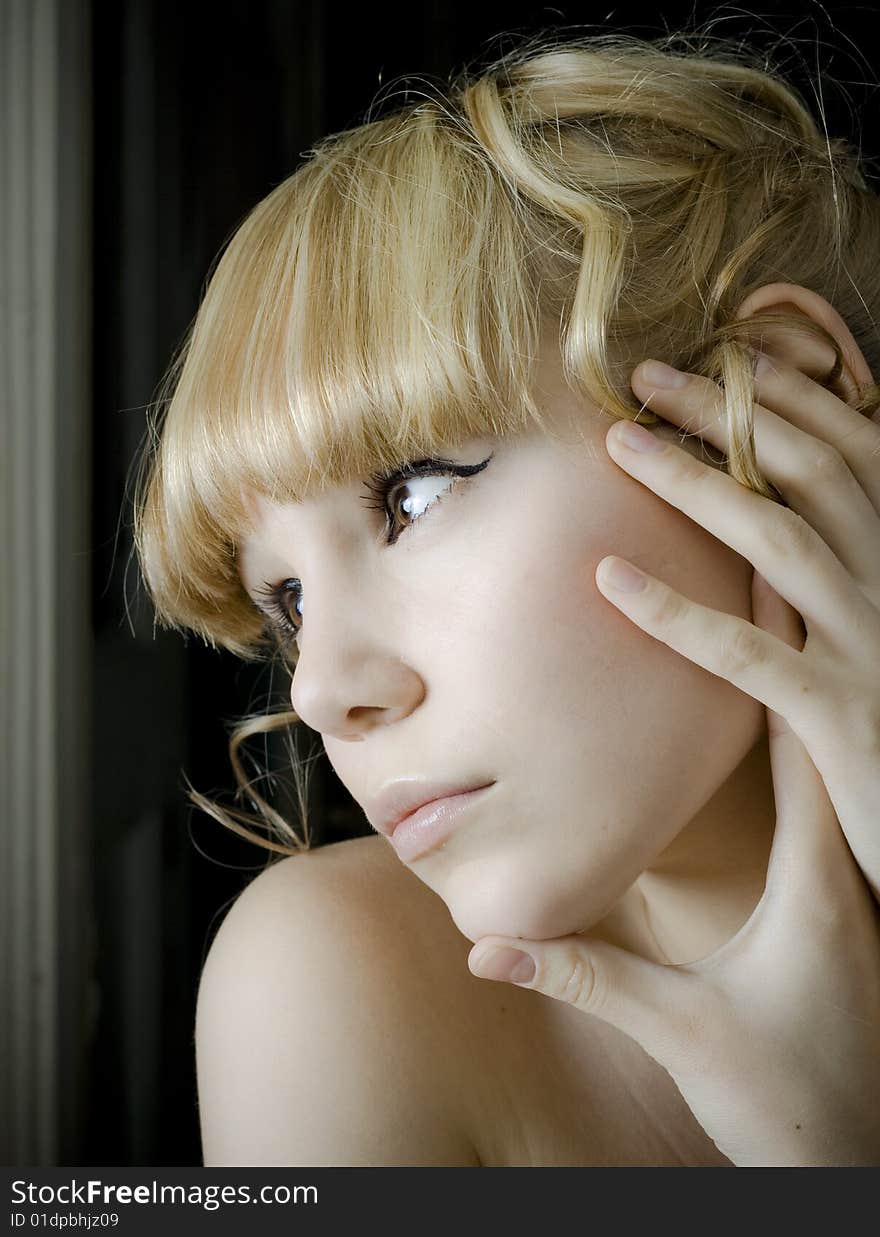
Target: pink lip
406, 795
430, 824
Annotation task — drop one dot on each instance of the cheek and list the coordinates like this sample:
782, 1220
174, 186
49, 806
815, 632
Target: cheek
531, 611
524, 617
609, 740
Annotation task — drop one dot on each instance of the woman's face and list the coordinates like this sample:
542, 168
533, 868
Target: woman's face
478, 648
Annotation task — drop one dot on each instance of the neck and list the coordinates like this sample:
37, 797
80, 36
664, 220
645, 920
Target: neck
702, 889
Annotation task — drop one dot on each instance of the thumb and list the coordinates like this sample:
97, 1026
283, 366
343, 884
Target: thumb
659, 1006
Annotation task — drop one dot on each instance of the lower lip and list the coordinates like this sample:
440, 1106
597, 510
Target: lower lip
431, 824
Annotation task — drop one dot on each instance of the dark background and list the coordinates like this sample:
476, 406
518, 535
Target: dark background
199, 111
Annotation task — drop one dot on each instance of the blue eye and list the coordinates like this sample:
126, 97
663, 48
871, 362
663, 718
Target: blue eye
381, 487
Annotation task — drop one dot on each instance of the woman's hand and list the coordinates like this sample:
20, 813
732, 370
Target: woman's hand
774, 1039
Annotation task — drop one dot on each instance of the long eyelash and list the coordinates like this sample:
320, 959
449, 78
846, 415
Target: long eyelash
380, 485
273, 608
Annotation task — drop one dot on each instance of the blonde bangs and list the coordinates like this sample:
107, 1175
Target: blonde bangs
360, 316
387, 299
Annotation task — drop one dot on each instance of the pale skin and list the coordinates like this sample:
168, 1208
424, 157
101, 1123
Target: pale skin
632, 870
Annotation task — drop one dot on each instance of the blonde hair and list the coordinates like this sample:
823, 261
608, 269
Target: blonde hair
388, 296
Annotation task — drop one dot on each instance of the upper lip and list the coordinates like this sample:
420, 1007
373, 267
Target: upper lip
400, 799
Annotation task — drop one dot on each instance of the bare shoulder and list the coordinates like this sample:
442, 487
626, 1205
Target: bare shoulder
318, 1040
361, 887
338, 1024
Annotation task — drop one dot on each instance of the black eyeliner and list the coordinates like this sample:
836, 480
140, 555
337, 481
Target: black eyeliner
379, 486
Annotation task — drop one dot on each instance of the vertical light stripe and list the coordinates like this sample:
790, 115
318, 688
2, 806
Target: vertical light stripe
43, 571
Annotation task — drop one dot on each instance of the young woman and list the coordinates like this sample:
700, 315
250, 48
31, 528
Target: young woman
633, 672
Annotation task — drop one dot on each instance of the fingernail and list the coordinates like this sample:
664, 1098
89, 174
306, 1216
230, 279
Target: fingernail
511, 965
763, 365
620, 574
637, 438
662, 375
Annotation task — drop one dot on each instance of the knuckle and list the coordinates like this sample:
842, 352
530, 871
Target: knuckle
825, 463
703, 1036
667, 609
578, 982
693, 1033
787, 533
820, 465
827, 915
741, 650
691, 471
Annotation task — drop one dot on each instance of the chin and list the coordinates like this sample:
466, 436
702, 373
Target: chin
504, 899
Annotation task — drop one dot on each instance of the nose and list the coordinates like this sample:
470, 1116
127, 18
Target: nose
350, 676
